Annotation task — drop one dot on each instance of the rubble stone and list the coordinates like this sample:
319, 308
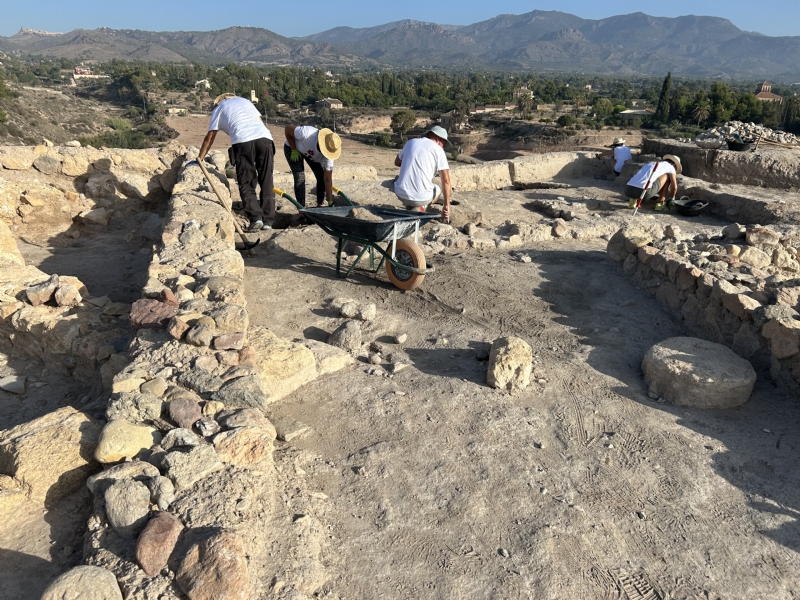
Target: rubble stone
50, 456
157, 541
162, 491
86, 583
138, 470
120, 440
43, 292
151, 314
185, 412
127, 506
186, 468
510, 364
215, 569
347, 337
244, 446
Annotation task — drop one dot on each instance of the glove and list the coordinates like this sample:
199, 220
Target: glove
295, 155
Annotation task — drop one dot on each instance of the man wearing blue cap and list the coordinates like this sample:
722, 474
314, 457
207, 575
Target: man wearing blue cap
419, 161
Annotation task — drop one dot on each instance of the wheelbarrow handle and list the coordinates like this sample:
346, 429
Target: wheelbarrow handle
283, 194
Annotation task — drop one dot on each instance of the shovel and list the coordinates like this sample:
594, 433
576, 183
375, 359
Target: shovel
248, 245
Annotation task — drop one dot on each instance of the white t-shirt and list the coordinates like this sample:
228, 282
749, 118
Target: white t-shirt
239, 119
643, 176
621, 154
421, 160
305, 140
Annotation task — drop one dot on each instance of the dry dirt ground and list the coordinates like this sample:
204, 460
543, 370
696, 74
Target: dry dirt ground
437, 486
429, 484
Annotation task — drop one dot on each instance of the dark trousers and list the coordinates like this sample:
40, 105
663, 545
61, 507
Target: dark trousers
254, 161
299, 175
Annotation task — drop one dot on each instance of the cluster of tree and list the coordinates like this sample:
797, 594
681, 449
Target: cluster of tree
691, 104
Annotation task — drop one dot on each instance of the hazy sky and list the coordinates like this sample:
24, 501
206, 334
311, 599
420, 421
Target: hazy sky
297, 18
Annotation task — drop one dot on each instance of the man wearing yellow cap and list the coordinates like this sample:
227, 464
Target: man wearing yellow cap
253, 153
317, 147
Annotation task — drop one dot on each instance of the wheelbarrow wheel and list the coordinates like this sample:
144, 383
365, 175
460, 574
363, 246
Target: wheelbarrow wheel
406, 253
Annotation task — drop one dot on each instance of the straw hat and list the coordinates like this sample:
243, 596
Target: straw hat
618, 142
676, 161
330, 144
222, 97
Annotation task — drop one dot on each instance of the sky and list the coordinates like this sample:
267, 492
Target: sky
298, 18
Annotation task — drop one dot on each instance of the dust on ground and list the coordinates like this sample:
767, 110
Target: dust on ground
437, 486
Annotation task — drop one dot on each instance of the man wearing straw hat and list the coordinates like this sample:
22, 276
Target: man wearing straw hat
656, 179
620, 152
253, 155
317, 147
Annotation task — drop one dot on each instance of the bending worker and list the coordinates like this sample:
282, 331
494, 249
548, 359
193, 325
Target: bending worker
419, 160
253, 153
317, 147
662, 176
619, 153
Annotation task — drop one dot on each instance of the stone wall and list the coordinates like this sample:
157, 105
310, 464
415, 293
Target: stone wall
188, 410
769, 167
495, 175
741, 290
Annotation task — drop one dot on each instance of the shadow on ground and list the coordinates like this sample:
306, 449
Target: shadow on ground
757, 443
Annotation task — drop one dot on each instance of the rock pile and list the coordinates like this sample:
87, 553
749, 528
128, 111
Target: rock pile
740, 288
746, 131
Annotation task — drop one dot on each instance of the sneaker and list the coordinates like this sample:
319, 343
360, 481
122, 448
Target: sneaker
632, 203
660, 206
266, 227
255, 226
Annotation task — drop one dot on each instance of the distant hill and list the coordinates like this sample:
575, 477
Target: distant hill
541, 40
552, 40
231, 44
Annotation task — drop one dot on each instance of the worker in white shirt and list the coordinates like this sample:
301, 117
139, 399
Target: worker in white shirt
419, 160
253, 154
619, 153
662, 177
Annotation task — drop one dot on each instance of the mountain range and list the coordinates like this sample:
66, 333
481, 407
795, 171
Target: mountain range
630, 44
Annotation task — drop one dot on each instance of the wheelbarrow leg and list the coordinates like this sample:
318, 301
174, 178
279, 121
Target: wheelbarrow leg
355, 262
371, 259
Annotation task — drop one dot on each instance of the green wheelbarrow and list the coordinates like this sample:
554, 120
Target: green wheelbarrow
404, 259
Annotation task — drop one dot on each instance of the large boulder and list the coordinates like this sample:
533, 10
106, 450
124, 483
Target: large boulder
84, 583
51, 456
283, 365
694, 372
120, 440
510, 364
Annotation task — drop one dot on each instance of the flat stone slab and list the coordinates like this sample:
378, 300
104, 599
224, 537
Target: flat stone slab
697, 373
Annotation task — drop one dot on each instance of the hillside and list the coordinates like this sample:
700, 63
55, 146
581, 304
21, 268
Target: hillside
543, 40
552, 40
224, 45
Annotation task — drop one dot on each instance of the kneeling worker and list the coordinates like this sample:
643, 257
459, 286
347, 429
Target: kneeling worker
662, 176
317, 147
254, 154
619, 153
419, 161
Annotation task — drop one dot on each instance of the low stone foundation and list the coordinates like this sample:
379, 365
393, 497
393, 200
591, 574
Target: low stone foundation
741, 290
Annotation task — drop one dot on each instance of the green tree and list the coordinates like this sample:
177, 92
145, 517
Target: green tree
524, 104
402, 121
325, 117
722, 102
662, 110
603, 107
702, 108
565, 120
